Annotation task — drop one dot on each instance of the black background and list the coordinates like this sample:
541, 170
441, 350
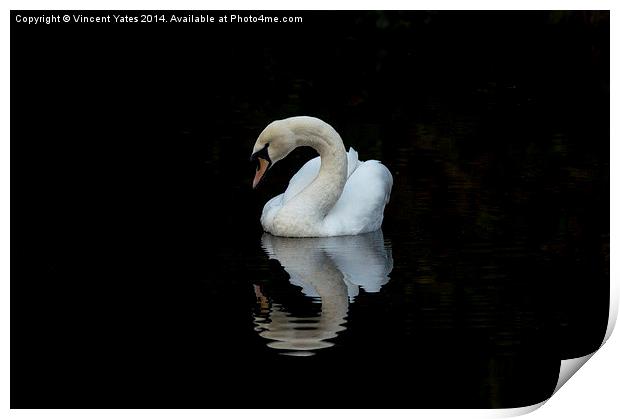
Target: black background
135, 233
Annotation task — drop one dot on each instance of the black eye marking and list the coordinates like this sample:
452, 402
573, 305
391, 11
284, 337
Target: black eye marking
262, 153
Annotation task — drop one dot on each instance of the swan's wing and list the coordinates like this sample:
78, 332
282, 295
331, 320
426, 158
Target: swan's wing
352, 161
302, 178
309, 172
360, 207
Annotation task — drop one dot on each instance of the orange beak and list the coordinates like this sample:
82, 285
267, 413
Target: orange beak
260, 171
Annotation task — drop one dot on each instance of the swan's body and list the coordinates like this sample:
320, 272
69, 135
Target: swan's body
334, 194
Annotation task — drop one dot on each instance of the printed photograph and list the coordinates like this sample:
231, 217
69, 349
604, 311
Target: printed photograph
306, 209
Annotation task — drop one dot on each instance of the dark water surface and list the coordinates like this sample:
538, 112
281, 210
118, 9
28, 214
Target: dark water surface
140, 273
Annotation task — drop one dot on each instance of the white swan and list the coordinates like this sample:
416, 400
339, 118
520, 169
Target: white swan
334, 194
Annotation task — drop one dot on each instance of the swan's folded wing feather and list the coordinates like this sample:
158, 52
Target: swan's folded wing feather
360, 207
302, 178
352, 161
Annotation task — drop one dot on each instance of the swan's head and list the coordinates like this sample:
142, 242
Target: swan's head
273, 144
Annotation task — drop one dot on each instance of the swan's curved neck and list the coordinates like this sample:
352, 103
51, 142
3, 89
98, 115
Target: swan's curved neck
322, 194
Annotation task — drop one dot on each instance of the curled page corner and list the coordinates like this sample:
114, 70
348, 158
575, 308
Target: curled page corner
569, 367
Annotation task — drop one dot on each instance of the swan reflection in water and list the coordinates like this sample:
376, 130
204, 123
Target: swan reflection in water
330, 270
